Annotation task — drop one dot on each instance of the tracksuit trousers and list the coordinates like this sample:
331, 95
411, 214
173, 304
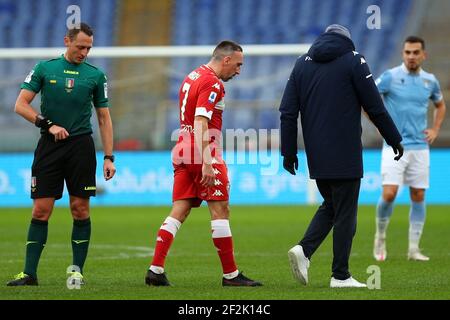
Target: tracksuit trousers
338, 211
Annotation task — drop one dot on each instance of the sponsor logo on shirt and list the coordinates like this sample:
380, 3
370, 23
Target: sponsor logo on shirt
71, 72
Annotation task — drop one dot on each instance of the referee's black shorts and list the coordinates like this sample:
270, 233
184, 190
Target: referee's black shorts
72, 160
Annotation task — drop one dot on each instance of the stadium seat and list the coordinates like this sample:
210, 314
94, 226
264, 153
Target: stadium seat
288, 21
269, 118
42, 23
246, 21
173, 119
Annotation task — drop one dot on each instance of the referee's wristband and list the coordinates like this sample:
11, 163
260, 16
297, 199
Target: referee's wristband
42, 122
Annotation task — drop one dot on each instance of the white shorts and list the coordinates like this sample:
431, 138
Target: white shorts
413, 169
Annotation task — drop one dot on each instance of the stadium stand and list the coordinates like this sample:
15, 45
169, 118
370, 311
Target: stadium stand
140, 85
42, 23
272, 21
434, 26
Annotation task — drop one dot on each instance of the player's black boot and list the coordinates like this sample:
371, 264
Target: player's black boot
154, 279
22, 279
240, 281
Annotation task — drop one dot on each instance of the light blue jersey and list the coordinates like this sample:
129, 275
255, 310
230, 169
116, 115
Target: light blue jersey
406, 98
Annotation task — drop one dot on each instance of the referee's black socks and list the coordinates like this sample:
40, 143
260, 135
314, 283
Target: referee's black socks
81, 236
37, 237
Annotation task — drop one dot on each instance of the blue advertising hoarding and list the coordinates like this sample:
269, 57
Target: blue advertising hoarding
145, 178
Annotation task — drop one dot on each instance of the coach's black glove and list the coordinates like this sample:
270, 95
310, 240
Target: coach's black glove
289, 163
398, 150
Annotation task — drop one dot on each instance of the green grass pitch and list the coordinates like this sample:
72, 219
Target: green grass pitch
122, 241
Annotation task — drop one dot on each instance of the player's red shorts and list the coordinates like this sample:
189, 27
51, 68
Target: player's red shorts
187, 185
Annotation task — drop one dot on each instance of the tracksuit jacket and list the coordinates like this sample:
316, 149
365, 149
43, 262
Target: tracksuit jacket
328, 86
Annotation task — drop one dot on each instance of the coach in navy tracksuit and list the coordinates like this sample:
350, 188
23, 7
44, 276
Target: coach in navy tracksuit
328, 86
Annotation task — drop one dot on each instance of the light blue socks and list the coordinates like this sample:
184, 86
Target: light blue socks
417, 215
384, 212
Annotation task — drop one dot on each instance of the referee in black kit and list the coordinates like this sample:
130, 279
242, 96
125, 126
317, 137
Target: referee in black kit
69, 88
328, 86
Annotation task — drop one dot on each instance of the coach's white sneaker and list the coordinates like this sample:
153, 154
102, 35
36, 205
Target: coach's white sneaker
347, 283
379, 249
299, 264
416, 255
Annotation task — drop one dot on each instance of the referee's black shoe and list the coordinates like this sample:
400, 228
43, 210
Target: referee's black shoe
240, 281
155, 279
22, 279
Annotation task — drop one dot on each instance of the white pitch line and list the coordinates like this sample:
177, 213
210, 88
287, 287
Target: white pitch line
139, 252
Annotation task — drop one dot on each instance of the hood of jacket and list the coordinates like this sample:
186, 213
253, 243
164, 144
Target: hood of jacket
330, 46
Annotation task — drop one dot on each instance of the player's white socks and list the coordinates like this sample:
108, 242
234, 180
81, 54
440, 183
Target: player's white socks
231, 275
384, 212
171, 225
223, 241
417, 215
164, 240
157, 270
220, 228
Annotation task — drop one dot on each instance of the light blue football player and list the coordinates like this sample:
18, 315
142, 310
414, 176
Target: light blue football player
406, 90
